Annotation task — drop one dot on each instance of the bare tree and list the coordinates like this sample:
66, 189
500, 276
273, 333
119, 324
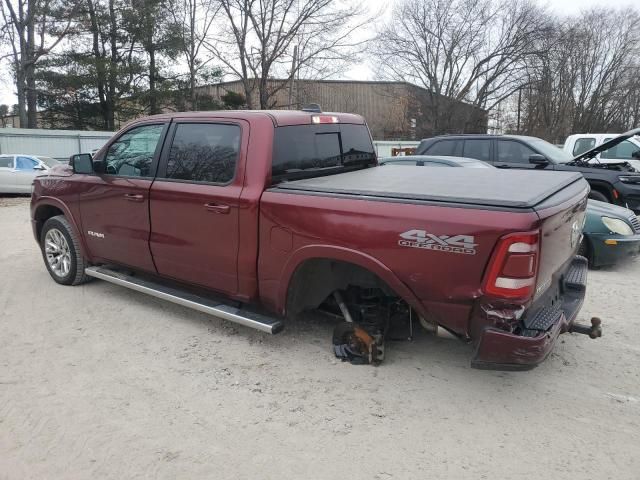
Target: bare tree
585, 77
468, 50
258, 37
34, 28
191, 23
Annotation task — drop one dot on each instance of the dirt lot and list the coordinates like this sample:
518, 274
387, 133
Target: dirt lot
101, 382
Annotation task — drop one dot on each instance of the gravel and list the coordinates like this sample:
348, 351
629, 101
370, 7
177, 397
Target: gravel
100, 382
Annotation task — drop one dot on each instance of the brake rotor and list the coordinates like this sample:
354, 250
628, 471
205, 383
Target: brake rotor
354, 344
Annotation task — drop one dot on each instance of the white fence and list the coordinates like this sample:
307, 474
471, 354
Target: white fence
61, 144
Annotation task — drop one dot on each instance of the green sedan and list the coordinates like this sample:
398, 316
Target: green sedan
611, 234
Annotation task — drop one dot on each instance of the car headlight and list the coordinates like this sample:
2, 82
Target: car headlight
629, 179
617, 226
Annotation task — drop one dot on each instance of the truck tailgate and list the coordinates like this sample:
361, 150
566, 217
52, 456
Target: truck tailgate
562, 218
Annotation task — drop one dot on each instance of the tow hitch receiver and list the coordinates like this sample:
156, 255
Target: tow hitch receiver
594, 331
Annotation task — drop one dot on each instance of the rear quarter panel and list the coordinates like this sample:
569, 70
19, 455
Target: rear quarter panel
445, 283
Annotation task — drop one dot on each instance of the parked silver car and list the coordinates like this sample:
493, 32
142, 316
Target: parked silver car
17, 171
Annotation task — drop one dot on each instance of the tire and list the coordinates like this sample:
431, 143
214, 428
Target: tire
596, 195
61, 252
583, 249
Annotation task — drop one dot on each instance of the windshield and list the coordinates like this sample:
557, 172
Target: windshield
550, 151
304, 151
48, 161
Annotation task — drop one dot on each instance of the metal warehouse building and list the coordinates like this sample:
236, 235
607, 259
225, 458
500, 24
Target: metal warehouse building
393, 110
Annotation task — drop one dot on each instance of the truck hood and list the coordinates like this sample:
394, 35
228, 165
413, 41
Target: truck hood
62, 170
482, 187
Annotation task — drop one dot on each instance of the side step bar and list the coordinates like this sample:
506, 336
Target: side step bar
247, 318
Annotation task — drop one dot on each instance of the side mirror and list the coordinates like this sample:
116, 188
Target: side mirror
636, 155
39, 167
81, 163
538, 159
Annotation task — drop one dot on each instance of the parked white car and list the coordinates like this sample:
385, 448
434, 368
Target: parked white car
17, 171
626, 151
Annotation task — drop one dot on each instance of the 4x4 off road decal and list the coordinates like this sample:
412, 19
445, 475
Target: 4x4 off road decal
444, 243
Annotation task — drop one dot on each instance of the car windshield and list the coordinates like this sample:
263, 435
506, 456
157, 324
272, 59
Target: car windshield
550, 151
48, 161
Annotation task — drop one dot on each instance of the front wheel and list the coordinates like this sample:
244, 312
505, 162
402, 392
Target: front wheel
61, 252
583, 249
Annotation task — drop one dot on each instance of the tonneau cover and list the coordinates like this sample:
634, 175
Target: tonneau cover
486, 187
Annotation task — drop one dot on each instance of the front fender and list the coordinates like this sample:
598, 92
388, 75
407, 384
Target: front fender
45, 201
347, 255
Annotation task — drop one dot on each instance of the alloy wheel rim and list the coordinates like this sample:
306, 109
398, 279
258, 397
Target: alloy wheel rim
57, 252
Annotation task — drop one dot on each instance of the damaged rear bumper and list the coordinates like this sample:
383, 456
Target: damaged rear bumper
502, 350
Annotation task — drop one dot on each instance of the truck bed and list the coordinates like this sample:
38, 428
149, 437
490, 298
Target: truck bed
512, 189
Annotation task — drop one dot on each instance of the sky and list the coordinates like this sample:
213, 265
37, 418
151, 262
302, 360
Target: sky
362, 71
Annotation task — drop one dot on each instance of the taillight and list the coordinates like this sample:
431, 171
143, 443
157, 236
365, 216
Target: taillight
514, 266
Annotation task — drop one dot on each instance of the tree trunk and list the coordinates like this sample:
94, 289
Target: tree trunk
111, 87
264, 93
192, 85
22, 98
99, 62
32, 98
30, 69
153, 100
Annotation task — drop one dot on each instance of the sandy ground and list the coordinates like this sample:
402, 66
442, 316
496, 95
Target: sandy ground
100, 382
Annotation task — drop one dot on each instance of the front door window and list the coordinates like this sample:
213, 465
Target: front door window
132, 154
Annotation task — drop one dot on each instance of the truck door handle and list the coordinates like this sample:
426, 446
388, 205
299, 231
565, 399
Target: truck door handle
217, 207
134, 197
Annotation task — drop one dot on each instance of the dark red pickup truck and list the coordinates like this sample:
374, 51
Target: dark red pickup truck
256, 216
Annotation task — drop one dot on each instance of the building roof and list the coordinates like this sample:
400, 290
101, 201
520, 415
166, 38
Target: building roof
350, 82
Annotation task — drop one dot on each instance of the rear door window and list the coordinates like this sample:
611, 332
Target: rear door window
6, 162
452, 148
479, 149
204, 152
582, 145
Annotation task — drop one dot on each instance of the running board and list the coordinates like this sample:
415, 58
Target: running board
247, 318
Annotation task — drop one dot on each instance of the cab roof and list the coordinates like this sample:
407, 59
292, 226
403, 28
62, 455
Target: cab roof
280, 118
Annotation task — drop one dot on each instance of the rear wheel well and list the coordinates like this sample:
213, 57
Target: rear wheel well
315, 279
44, 213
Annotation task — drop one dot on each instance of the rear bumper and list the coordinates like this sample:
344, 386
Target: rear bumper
610, 249
502, 350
